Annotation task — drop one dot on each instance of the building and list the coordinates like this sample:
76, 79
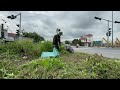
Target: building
11, 37
87, 39
5, 35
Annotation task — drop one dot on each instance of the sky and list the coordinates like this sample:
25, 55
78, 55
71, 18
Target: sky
73, 24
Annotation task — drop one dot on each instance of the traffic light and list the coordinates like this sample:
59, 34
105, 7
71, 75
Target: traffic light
11, 17
116, 22
18, 32
98, 18
109, 33
18, 25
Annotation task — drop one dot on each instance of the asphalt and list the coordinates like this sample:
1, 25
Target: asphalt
106, 52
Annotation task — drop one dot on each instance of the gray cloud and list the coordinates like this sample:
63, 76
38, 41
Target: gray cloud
73, 23
86, 20
49, 22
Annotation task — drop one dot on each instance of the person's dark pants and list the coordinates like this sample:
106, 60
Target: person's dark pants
57, 47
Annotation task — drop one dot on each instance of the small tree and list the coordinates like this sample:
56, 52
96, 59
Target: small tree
77, 41
33, 35
67, 42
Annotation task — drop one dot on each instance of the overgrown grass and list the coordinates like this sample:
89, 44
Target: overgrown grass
39, 69
67, 66
24, 48
87, 67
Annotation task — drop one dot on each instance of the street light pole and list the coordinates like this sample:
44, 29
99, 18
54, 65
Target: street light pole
20, 24
108, 22
13, 17
112, 28
108, 35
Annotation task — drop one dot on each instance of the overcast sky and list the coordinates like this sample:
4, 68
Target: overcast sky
73, 23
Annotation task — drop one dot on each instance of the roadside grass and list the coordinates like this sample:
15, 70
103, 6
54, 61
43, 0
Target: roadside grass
67, 66
77, 66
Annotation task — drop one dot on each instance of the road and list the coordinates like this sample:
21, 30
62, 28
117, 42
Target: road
106, 52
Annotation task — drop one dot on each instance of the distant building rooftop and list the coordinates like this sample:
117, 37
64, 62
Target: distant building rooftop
89, 35
12, 35
83, 38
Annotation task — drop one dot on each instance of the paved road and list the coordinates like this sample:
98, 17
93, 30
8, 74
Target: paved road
106, 52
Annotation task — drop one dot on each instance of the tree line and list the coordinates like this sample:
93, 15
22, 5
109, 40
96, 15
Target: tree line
74, 42
34, 35
37, 38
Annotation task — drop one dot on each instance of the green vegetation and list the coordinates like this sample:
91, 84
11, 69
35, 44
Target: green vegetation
33, 35
67, 42
24, 48
67, 66
77, 41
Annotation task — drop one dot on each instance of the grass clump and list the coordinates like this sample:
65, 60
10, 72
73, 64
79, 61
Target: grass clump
40, 68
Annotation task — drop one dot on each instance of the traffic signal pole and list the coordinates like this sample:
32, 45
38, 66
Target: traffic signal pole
107, 32
112, 29
14, 17
108, 35
108, 25
20, 24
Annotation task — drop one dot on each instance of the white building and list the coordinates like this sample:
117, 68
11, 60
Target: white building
11, 37
87, 39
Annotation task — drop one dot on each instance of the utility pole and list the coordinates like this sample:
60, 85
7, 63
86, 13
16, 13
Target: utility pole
108, 26
112, 29
14, 17
108, 35
20, 24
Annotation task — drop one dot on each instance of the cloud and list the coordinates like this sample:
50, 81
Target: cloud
73, 23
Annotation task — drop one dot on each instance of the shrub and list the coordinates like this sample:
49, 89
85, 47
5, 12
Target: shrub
100, 68
53, 63
22, 47
28, 48
46, 47
8, 56
40, 68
